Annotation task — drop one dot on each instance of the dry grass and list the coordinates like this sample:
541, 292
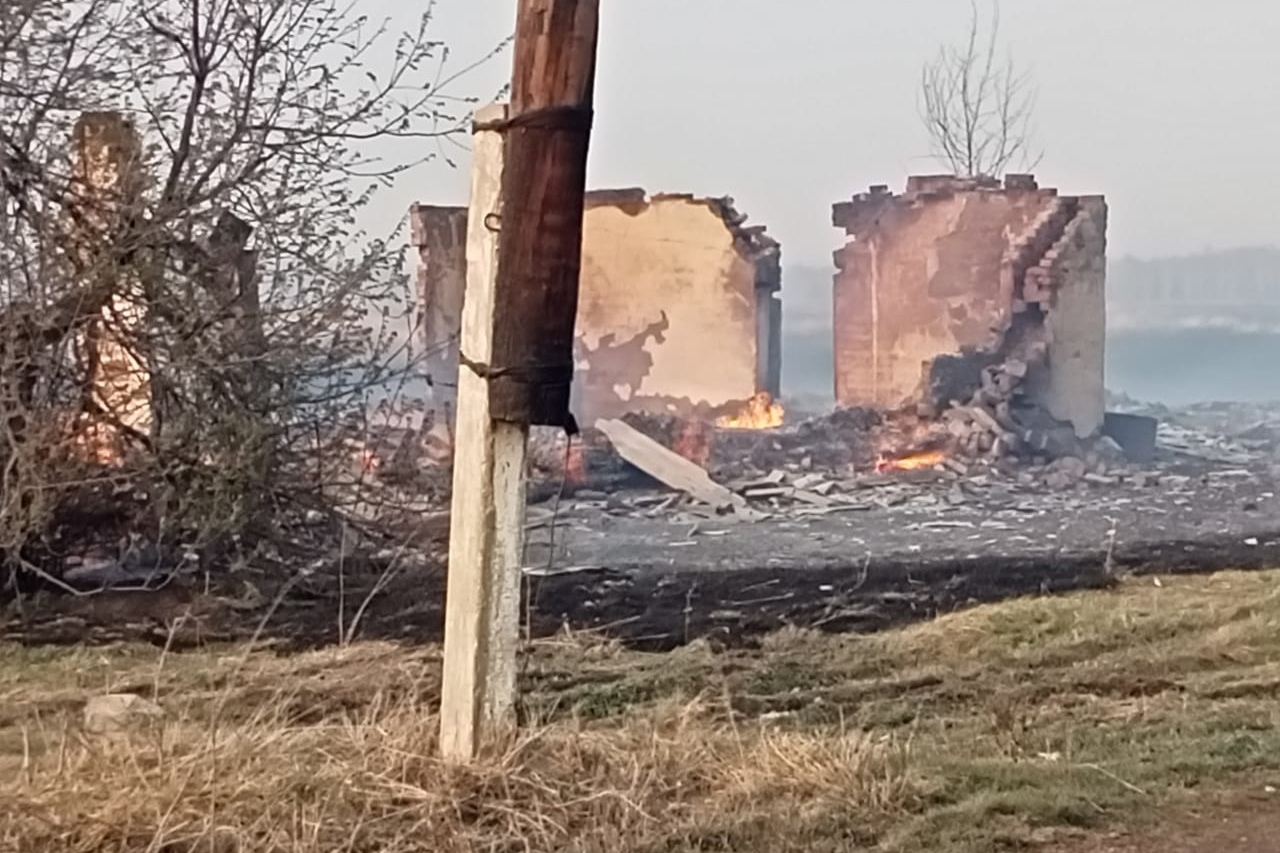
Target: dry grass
992, 727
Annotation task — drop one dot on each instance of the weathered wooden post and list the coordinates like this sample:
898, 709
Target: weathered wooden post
486, 529
524, 244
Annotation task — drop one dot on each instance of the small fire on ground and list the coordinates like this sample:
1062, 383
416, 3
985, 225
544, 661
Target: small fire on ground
760, 412
910, 462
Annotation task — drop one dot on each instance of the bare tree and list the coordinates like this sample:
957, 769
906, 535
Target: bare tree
976, 106
183, 178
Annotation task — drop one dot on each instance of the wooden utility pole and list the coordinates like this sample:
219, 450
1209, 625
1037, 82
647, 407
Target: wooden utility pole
524, 244
487, 524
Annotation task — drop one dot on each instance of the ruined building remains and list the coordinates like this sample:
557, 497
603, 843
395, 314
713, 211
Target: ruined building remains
108, 181
962, 291
678, 307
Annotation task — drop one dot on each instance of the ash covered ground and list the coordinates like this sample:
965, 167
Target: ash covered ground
820, 538
833, 543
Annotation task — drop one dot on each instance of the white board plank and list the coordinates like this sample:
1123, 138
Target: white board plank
668, 467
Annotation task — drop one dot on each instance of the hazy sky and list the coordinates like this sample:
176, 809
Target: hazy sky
1169, 107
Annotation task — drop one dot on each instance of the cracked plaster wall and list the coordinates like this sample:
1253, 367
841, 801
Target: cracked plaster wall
677, 306
920, 279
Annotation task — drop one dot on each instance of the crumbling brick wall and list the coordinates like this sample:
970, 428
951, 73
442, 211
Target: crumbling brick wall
108, 179
678, 305
1072, 295
950, 266
439, 237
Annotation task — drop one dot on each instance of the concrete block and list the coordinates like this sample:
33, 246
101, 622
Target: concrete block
1135, 433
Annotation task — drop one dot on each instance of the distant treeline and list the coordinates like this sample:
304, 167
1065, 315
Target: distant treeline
1232, 275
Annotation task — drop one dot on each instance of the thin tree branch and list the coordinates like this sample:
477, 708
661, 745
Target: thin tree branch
976, 109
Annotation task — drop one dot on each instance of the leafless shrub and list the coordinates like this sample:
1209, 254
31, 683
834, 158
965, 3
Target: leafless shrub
978, 108
180, 182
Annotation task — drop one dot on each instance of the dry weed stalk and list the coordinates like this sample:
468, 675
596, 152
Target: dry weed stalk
275, 778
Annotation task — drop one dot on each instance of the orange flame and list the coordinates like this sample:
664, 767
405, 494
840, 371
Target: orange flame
910, 462
760, 412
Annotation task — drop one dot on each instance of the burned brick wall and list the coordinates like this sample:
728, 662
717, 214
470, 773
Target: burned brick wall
1070, 289
109, 180
678, 305
970, 268
439, 237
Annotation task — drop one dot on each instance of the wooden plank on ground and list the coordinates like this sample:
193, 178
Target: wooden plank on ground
669, 467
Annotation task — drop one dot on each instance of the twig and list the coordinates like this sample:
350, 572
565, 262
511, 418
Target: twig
1108, 564
1114, 778
342, 582
383, 581
58, 582
170, 634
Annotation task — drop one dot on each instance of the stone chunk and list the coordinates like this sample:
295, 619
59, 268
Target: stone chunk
1016, 367
1059, 480
115, 712
983, 416
1108, 448
1073, 466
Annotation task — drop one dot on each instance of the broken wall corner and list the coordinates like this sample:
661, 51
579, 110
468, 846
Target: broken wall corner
942, 286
